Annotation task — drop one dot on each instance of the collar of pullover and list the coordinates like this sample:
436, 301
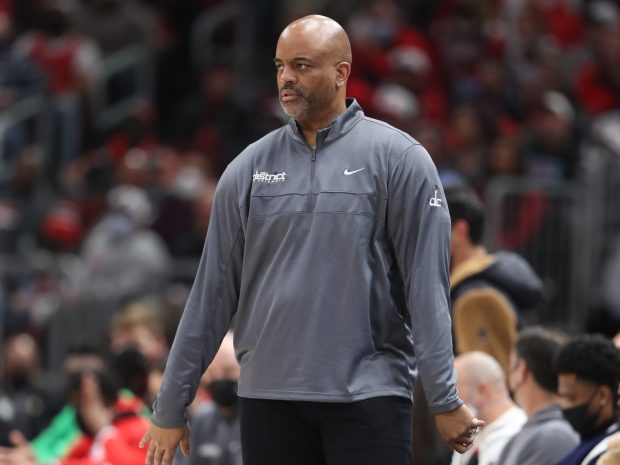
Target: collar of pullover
340, 126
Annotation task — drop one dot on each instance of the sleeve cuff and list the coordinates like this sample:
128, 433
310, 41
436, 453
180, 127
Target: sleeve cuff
446, 407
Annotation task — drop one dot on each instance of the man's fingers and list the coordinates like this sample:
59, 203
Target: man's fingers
146, 438
150, 454
158, 456
18, 439
466, 439
477, 423
185, 446
167, 459
461, 448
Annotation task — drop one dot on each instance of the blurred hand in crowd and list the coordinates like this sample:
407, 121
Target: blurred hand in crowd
93, 411
19, 454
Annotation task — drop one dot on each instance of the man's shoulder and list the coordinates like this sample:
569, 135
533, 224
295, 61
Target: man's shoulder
248, 156
268, 141
378, 129
556, 430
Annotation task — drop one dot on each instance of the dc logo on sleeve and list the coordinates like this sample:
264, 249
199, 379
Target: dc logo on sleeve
435, 201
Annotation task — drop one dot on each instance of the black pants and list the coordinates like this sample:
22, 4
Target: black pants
370, 432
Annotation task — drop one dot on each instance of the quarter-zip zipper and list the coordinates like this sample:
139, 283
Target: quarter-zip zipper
310, 202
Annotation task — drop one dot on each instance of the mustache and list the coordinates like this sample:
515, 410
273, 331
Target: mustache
292, 87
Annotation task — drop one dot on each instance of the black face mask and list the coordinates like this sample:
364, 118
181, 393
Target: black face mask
20, 381
223, 392
582, 421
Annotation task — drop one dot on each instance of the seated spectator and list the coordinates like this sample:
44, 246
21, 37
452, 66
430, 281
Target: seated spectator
140, 327
29, 401
482, 386
100, 423
546, 436
214, 428
111, 429
55, 442
588, 370
488, 291
123, 260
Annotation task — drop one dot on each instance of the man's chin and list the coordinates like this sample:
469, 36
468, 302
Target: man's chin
292, 109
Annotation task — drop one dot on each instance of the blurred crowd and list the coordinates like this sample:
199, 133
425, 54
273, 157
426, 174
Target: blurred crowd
102, 220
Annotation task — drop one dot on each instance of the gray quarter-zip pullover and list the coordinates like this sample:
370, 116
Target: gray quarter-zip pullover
335, 263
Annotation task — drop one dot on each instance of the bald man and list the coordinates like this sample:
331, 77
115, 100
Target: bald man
482, 386
329, 244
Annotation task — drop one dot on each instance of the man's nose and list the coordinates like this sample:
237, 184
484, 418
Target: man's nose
287, 75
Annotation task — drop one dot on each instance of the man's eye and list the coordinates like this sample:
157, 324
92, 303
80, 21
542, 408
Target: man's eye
301, 66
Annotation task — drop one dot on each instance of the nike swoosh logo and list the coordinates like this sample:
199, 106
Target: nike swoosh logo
348, 173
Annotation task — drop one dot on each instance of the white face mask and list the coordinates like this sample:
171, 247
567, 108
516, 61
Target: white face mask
118, 225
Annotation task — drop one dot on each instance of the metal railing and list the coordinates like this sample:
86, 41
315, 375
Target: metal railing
133, 69
30, 117
549, 224
564, 229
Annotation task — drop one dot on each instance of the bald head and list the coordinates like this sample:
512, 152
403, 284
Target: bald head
482, 385
324, 33
313, 60
476, 368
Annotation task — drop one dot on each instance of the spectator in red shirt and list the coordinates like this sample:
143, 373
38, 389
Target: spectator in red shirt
111, 425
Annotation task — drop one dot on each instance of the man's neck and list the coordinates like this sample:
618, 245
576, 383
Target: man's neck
497, 411
310, 127
466, 253
536, 400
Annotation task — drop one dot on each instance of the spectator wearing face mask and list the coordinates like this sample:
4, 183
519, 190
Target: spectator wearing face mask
482, 386
215, 433
588, 370
546, 436
100, 424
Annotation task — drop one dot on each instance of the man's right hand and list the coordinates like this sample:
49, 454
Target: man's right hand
458, 428
163, 443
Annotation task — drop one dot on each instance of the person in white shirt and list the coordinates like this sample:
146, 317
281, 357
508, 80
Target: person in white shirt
481, 383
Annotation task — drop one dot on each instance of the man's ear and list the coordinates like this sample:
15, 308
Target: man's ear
343, 70
605, 397
460, 230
